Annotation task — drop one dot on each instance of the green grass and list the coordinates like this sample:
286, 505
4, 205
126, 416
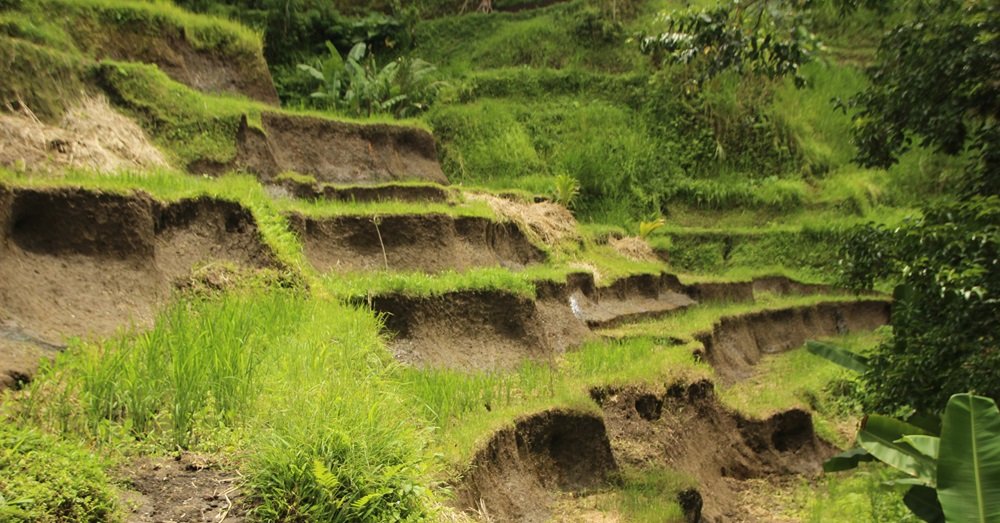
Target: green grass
804, 382
327, 208
643, 495
860, 495
84, 26
47, 80
360, 285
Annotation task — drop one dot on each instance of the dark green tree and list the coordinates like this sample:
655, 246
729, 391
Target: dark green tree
934, 82
946, 314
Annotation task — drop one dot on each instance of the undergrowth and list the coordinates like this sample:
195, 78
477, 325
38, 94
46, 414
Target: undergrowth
44, 479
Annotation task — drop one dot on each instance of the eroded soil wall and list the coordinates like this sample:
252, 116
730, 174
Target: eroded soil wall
337, 152
419, 242
684, 427
473, 329
514, 476
211, 70
736, 343
82, 263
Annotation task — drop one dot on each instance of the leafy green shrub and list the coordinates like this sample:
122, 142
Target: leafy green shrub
44, 480
356, 86
946, 317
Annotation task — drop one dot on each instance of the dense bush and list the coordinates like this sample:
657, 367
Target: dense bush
946, 317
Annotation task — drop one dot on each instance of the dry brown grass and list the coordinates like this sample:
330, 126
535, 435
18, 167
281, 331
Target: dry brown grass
91, 136
545, 222
634, 248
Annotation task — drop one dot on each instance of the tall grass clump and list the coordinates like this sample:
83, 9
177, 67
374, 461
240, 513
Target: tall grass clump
201, 356
302, 386
822, 134
336, 442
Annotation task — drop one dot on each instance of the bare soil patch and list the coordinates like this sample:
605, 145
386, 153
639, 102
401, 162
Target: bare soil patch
420, 242
475, 329
518, 474
83, 263
627, 299
186, 488
332, 151
736, 343
685, 427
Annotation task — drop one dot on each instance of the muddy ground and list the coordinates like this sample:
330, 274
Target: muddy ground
180, 489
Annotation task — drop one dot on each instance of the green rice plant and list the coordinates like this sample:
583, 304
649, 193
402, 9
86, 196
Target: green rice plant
332, 394
200, 354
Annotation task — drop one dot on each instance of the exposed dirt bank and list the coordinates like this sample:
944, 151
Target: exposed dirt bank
685, 428
740, 291
515, 476
736, 343
210, 70
363, 193
331, 151
82, 263
626, 299
497, 329
419, 242
475, 329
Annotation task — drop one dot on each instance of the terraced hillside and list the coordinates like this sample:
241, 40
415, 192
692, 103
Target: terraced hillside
214, 308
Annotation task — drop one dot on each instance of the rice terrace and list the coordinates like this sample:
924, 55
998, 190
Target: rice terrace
459, 261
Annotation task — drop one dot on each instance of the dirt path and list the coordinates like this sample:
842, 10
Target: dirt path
187, 488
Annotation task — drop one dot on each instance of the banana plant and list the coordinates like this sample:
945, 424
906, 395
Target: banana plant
953, 472
355, 85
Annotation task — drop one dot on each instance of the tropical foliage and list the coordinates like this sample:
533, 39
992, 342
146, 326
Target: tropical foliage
758, 37
946, 315
953, 474
355, 85
935, 81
